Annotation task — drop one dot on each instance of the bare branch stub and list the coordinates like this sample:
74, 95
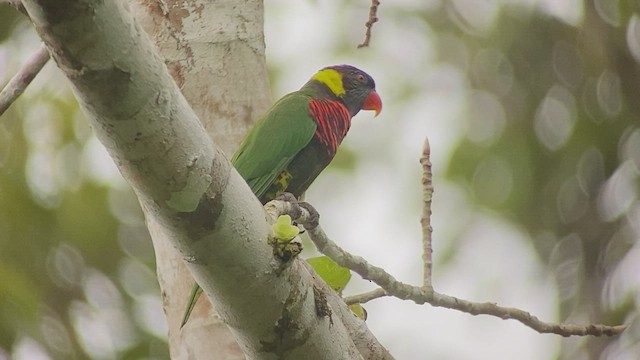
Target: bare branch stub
425, 221
365, 297
23, 78
373, 18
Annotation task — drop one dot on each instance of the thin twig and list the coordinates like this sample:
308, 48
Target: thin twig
308, 217
427, 195
421, 295
23, 78
373, 18
365, 297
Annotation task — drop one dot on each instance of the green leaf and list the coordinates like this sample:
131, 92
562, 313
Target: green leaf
359, 311
333, 274
283, 230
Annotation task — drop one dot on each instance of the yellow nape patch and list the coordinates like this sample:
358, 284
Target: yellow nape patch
332, 79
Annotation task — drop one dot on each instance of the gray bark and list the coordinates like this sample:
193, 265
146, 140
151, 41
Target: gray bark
215, 54
191, 195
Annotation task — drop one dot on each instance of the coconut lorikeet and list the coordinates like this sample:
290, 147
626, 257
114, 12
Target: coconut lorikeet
299, 136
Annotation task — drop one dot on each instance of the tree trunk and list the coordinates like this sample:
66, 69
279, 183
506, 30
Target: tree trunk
215, 54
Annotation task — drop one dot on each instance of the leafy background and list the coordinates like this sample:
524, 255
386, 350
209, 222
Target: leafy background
531, 112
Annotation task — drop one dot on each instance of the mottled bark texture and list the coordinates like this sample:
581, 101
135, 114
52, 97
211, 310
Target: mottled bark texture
191, 196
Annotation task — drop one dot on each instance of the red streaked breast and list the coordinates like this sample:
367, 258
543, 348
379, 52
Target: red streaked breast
333, 120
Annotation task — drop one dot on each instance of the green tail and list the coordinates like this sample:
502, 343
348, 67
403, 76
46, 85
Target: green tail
195, 293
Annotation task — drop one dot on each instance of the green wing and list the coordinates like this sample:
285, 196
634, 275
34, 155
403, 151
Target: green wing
267, 150
274, 141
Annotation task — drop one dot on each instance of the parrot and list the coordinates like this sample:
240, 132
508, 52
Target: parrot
299, 135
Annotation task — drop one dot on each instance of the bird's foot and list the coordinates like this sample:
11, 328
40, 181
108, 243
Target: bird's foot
312, 218
301, 212
288, 197
294, 209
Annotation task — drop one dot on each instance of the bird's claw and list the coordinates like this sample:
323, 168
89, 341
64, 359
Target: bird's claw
287, 197
313, 219
294, 210
309, 222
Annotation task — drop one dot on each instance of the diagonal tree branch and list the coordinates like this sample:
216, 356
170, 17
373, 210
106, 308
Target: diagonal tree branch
420, 295
185, 184
223, 76
16, 86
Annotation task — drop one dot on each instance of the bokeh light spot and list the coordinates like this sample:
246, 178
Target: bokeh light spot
102, 332
618, 192
65, 265
56, 335
566, 260
493, 70
137, 279
486, 117
27, 348
555, 118
609, 93
474, 16
630, 147
633, 36
149, 314
569, 11
590, 172
100, 291
609, 11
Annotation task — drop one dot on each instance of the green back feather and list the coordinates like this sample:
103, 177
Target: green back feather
274, 140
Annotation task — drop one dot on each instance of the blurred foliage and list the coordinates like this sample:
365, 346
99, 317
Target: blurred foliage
553, 142
76, 264
9, 18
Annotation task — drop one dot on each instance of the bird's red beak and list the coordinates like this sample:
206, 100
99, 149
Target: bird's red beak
373, 102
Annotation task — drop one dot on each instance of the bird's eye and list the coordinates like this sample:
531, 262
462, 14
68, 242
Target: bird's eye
361, 78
